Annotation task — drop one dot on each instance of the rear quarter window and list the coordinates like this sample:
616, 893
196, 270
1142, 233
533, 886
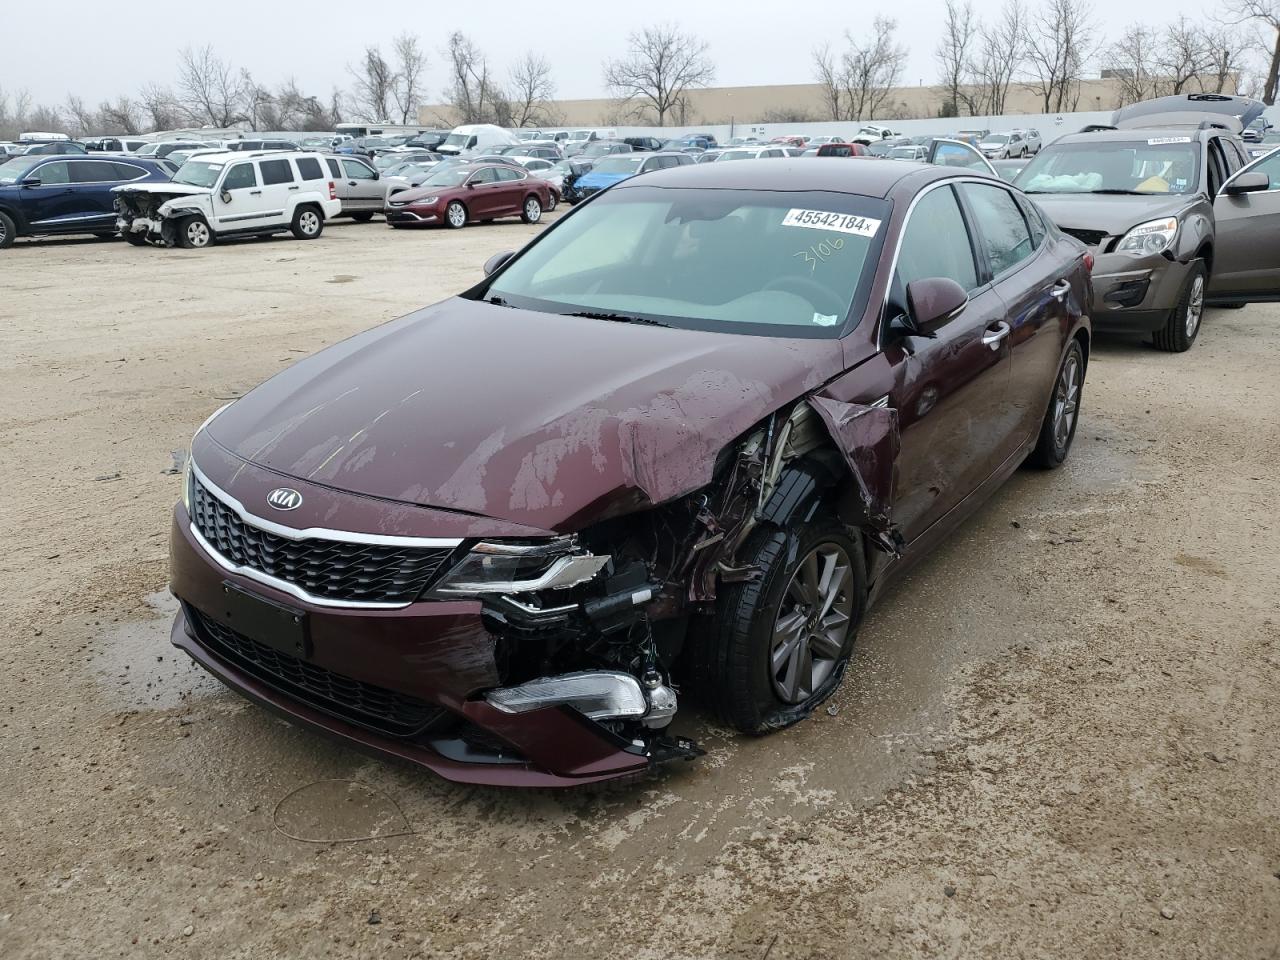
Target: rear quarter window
309, 168
275, 171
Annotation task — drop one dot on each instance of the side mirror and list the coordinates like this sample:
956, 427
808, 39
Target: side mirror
931, 304
471, 184
1251, 182
497, 262
225, 196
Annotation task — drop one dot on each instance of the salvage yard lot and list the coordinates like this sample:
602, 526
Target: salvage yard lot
1056, 736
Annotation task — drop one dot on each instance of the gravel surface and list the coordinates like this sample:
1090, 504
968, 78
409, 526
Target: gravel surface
1057, 738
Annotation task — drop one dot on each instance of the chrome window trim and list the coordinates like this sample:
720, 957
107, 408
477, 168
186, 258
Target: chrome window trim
317, 533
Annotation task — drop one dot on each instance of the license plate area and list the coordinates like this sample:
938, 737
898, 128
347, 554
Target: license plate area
277, 626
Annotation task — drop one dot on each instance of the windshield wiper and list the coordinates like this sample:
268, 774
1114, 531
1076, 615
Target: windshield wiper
617, 318
498, 302
1127, 193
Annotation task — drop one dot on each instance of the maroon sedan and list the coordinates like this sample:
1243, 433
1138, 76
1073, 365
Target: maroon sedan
457, 196
679, 442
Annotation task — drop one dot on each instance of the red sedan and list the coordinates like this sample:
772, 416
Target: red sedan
457, 196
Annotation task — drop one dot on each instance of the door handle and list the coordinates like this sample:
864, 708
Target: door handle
1060, 289
992, 336
351, 183
294, 187
255, 193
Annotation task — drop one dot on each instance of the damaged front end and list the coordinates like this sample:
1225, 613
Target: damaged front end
149, 213
604, 621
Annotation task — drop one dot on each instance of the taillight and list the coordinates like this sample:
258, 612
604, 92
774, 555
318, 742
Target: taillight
1088, 261
333, 195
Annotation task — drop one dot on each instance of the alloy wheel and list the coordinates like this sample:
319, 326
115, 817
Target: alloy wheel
198, 233
1195, 306
1066, 401
309, 222
813, 621
457, 216
4, 232
532, 210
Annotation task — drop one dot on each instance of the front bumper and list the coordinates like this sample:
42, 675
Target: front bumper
1135, 293
403, 683
421, 216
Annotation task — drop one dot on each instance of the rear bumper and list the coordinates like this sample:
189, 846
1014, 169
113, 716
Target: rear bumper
430, 660
1135, 293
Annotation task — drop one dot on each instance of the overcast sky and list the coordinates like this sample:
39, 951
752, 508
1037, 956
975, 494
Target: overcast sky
90, 50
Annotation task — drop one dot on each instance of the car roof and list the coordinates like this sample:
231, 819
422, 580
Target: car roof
866, 177
1136, 133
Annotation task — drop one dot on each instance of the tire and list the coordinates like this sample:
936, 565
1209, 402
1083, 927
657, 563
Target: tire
8, 231
308, 223
194, 233
555, 201
1230, 306
1058, 428
364, 216
136, 239
1183, 326
455, 215
744, 669
105, 235
531, 212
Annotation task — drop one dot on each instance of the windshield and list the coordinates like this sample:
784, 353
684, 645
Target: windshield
880, 149
903, 153
148, 150
456, 140
737, 155
449, 177
601, 149
580, 135
627, 165
737, 261
11, 171
1153, 165
198, 173
996, 138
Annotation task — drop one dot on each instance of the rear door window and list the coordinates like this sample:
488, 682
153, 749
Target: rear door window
93, 171
276, 171
1003, 230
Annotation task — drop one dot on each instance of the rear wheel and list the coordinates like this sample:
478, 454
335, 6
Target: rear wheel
194, 233
8, 232
1183, 326
307, 223
364, 216
1059, 426
532, 211
455, 215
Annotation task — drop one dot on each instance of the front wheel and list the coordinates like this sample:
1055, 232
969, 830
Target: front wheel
8, 232
307, 223
783, 640
532, 211
455, 215
1058, 428
1183, 325
194, 233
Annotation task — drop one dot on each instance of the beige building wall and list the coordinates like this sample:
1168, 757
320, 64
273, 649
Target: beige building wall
803, 101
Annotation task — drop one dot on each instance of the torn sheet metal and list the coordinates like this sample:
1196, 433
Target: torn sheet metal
867, 436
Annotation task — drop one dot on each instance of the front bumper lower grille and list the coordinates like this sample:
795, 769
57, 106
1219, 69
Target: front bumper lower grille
364, 704
330, 569
1090, 238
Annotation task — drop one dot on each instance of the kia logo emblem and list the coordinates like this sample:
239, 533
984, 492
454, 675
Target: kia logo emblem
284, 498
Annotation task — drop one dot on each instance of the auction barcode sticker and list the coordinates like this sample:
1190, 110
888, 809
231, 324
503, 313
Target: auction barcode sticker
1155, 141
824, 220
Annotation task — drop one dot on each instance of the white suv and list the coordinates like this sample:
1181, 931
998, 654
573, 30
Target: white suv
230, 195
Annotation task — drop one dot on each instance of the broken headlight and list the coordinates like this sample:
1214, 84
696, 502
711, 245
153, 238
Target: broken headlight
1154, 236
494, 567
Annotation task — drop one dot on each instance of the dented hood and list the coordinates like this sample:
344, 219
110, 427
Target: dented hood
545, 420
1114, 214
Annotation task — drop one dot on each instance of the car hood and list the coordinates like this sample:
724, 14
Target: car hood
545, 420
166, 187
1113, 213
421, 193
594, 179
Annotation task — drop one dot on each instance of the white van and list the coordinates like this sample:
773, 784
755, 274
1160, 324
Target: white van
476, 138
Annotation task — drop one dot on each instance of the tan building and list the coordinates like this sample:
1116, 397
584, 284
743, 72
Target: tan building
797, 102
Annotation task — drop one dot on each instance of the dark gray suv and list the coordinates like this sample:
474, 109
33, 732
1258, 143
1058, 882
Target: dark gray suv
1173, 218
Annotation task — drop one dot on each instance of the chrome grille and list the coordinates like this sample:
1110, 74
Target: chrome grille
363, 703
329, 569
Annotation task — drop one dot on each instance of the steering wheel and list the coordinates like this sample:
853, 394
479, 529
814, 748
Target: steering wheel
819, 295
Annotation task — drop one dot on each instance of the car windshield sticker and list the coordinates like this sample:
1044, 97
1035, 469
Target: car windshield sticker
1180, 184
1154, 141
824, 220
825, 319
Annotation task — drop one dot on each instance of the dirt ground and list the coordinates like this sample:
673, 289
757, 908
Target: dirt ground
1057, 739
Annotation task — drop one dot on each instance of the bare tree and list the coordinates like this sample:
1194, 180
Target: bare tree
661, 67
531, 91
119, 116
374, 83
1183, 54
1265, 14
80, 119
210, 90
1227, 49
953, 52
473, 93
160, 107
406, 87
827, 72
1000, 52
871, 70
1059, 45
46, 118
1132, 61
